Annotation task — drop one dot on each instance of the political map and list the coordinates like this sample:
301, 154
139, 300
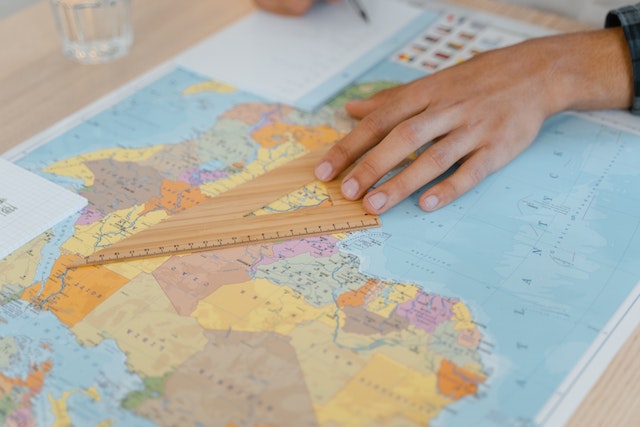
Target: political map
471, 315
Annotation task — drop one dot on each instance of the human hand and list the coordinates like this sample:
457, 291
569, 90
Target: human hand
287, 7
479, 114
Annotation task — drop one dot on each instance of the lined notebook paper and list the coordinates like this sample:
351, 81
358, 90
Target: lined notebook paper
30, 205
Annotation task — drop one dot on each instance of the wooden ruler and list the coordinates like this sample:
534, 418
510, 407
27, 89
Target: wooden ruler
222, 221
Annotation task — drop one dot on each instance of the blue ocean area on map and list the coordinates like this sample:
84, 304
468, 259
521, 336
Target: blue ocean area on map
91, 380
542, 252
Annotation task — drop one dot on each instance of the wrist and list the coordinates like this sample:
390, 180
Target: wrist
592, 71
628, 18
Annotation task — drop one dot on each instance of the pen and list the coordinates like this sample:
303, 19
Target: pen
358, 7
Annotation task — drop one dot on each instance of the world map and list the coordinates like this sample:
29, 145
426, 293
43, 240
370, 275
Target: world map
475, 312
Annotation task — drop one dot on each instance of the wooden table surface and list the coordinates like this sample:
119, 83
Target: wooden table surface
39, 87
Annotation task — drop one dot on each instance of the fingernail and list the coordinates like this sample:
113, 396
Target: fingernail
377, 200
323, 171
431, 202
350, 188
355, 103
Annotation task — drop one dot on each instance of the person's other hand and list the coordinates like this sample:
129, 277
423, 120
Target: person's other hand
287, 7
480, 114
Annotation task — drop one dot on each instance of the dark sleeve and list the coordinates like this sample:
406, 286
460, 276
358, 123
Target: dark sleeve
628, 17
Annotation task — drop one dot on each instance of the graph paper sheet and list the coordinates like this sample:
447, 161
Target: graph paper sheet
30, 205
